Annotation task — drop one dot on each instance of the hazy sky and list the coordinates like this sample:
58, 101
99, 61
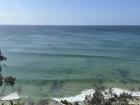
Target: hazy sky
70, 12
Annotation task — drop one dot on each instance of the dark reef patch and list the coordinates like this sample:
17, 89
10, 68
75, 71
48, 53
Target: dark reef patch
57, 85
124, 73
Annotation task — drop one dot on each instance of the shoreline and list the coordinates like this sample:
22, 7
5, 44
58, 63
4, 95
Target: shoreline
89, 92
79, 98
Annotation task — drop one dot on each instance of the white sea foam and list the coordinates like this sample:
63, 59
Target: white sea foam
89, 92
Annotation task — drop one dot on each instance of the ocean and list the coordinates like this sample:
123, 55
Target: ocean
51, 61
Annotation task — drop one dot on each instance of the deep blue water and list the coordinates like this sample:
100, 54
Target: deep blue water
54, 52
100, 53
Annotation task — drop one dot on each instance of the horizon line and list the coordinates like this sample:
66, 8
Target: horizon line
64, 25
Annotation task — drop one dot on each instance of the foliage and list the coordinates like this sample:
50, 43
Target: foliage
9, 80
2, 57
43, 102
6, 81
65, 102
1, 80
99, 99
102, 97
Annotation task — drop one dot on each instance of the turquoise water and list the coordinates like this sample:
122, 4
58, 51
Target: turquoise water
63, 60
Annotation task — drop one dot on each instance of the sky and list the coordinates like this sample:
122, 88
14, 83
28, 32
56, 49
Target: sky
70, 12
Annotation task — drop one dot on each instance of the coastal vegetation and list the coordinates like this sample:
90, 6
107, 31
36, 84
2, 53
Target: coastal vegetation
103, 97
5, 81
109, 98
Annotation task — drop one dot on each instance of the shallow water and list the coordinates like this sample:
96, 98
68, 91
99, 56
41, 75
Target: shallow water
55, 60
